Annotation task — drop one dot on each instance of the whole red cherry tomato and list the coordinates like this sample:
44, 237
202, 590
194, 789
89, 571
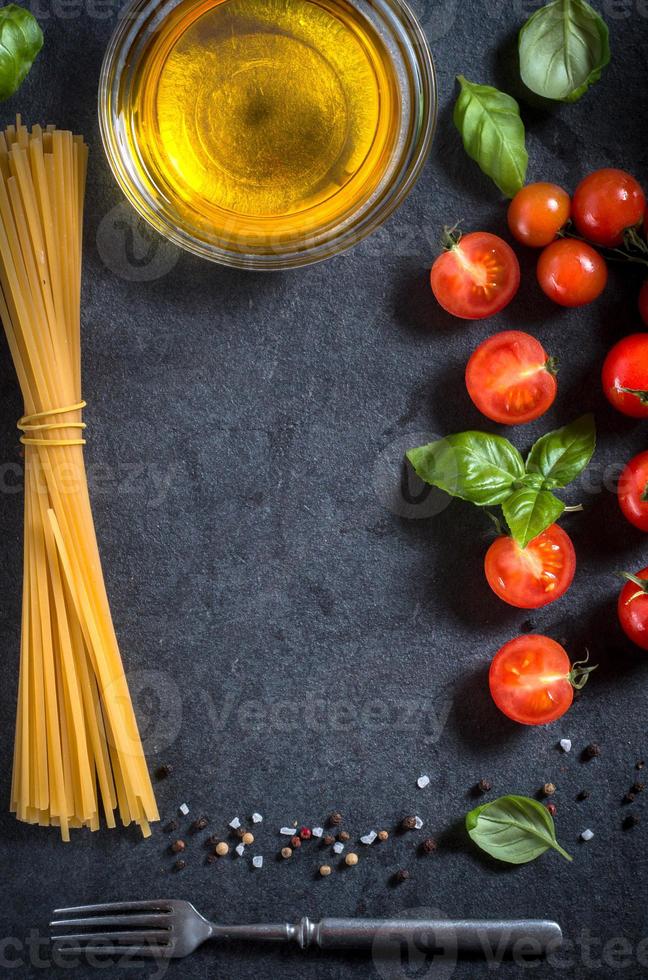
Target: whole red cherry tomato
605, 204
537, 213
477, 275
633, 608
632, 491
625, 376
643, 302
532, 681
510, 378
533, 576
571, 273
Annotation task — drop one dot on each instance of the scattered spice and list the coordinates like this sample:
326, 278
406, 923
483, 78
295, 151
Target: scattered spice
408, 823
179, 865
484, 786
257, 861
317, 831
640, 764
638, 787
178, 846
287, 831
351, 859
325, 870
199, 824
401, 876
631, 821
552, 808
565, 744
305, 833
583, 795
184, 809
286, 852
163, 772
368, 838
328, 839
549, 789
240, 850
212, 858
296, 841
335, 819
587, 835
383, 835
344, 836
423, 781
170, 826
235, 823
247, 838
212, 841
591, 751
257, 818
222, 849
429, 845
338, 847
629, 797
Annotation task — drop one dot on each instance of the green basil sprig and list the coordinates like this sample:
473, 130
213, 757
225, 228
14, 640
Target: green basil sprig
564, 46
20, 41
488, 470
515, 829
493, 134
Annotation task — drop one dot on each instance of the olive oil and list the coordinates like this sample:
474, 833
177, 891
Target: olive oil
264, 118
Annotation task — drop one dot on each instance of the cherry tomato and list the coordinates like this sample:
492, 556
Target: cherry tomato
476, 277
510, 378
625, 376
605, 204
537, 213
533, 576
643, 302
571, 273
633, 491
633, 609
530, 680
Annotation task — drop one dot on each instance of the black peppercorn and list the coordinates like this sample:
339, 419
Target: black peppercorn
178, 846
630, 821
637, 787
629, 797
401, 876
583, 795
344, 836
180, 865
212, 840
170, 826
429, 845
335, 819
592, 751
484, 786
212, 858
163, 772
640, 764
328, 839
408, 823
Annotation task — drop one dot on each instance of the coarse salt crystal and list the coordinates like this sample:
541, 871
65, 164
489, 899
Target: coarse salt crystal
235, 823
287, 831
257, 861
240, 849
423, 781
317, 831
419, 823
257, 818
184, 809
565, 744
369, 838
587, 834
338, 847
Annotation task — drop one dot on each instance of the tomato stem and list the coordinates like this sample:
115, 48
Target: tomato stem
642, 583
573, 509
579, 674
551, 365
451, 236
644, 494
639, 392
631, 240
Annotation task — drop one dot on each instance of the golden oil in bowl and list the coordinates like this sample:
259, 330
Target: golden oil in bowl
258, 127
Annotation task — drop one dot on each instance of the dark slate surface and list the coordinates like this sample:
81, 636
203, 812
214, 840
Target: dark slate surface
296, 639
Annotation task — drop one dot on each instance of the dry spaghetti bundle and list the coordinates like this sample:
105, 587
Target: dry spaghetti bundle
77, 748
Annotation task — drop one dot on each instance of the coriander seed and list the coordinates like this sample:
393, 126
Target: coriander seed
222, 849
408, 823
247, 838
383, 835
549, 789
325, 870
286, 852
351, 859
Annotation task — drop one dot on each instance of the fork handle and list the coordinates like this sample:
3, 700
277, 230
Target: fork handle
448, 935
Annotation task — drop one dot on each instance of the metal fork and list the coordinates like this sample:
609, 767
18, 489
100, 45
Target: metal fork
169, 929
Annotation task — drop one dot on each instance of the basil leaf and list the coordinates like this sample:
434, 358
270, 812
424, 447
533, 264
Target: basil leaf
529, 512
515, 829
20, 41
476, 466
493, 134
564, 46
561, 455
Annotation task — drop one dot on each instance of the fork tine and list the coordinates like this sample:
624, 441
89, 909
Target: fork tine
161, 905
160, 936
100, 921
165, 952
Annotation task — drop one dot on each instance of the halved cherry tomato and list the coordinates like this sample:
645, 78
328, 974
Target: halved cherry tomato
605, 204
625, 376
537, 213
532, 681
633, 608
477, 276
572, 273
533, 576
643, 302
633, 491
510, 378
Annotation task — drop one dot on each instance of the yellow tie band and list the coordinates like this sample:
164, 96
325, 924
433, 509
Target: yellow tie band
32, 423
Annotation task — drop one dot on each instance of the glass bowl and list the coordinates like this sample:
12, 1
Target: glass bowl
412, 68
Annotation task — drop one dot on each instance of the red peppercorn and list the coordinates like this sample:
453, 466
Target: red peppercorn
305, 833
552, 808
295, 841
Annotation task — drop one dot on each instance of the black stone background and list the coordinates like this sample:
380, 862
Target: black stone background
296, 644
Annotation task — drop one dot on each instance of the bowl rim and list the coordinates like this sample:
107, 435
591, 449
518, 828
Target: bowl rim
334, 244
